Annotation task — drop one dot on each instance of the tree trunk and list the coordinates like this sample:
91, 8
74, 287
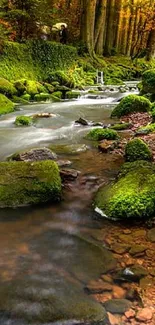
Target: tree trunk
151, 45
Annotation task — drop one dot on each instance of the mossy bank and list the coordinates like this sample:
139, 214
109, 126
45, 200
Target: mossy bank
27, 183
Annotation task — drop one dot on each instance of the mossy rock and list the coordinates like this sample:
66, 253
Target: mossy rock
6, 105
20, 86
120, 126
148, 82
137, 149
132, 195
7, 88
61, 77
101, 134
146, 129
20, 100
72, 94
153, 113
131, 104
26, 97
42, 97
23, 120
57, 94
26, 183
49, 87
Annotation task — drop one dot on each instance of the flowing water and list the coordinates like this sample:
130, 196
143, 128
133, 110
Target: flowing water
48, 254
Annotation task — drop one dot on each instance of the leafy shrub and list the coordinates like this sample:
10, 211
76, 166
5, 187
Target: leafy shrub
101, 134
113, 81
7, 88
131, 104
23, 120
137, 149
132, 195
6, 105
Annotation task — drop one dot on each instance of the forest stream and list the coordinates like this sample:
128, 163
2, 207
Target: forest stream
50, 254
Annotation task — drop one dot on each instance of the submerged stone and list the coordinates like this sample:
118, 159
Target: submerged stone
26, 183
151, 235
37, 154
132, 195
117, 306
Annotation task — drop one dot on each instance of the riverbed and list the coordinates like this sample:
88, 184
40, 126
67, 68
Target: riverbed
49, 254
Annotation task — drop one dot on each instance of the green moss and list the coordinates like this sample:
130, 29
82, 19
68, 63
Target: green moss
20, 86
131, 104
153, 113
137, 149
19, 100
148, 82
62, 77
23, 120
49, 87
120, 126
42, 97
72, 94
6, 106
35, 60
113, 81
23, 183
57, 94
7, 88
100, 134
132, 195
148, 128
26, 97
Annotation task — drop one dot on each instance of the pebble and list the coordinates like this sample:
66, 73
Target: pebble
113, 319
118, 292
130, 313
144, 314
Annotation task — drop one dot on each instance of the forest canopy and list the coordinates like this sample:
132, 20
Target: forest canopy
100, 27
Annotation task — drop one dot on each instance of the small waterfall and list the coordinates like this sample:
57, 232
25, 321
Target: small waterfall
100, 77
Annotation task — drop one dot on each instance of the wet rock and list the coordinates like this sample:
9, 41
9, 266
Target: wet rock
132, 295
43, 115
142, 132
130, 313
144, 314
117, 306
118, 292
82, 121
37, 154
63, 163
120, 248
137, 250
107, 145
69, 174
151, 235
97, 124
113, 319
135, 273
107, 278
140, 233
98, 286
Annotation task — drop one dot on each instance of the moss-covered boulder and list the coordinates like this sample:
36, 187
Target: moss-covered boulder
131, 104
137, 149
7, 88
72, 94
19, 100
26, 97
57, 94
148, 82
101, 134
6, 105
132, 195
31, 87
25, 183
42, 97
23, 120
113, 81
